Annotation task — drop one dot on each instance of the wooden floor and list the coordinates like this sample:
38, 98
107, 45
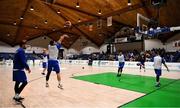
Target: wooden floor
76, 93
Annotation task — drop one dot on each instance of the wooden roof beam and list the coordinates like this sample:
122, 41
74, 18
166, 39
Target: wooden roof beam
124, 10
25, 26
73, 42
75, 9
86, 35
6, 41
120, 11
149, 14
21, 21
117, 12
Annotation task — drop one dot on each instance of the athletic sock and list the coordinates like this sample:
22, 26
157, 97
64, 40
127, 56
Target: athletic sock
157, 83
47, 84
16, 96
59, 82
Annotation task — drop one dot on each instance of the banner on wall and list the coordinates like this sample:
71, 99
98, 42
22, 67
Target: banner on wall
149, 65
119, 40
99, 23
75, 62
176, 43
109, 21
90, 27
102, 63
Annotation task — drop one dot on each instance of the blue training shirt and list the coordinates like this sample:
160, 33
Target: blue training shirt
20, 62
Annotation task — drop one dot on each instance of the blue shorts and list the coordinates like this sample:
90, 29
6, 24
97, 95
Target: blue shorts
19, 76
158, 72
53, 65
121, 65
142, 63
44, 65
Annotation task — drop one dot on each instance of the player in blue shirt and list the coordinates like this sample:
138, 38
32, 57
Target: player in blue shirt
19, 76
53, 64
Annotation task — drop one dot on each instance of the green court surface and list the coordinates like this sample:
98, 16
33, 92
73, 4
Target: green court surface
167, 95
143, 84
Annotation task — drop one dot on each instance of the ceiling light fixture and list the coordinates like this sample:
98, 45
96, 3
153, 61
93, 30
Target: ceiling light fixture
129, 3
99, 12
58, 11
53, 29
21, 18
31, 8
79, 20
45, 21
35, 27
8, 34
77, 4
14, 23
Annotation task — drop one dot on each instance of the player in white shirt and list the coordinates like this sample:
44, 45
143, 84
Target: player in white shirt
121, 64
158, 61
44, 62
53, 64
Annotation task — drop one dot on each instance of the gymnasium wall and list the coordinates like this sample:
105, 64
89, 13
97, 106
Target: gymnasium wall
103, 48
174, 67
84, 46
168, 46
153, 43
129, 46
4, 48
174, 38
40, 42
36, 45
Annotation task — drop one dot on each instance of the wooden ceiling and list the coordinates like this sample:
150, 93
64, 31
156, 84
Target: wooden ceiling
13, 29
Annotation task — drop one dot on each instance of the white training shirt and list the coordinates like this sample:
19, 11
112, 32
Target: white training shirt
53, 51
158, 62
121, 58
45, 58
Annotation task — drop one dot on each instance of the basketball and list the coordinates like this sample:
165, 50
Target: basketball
67, 24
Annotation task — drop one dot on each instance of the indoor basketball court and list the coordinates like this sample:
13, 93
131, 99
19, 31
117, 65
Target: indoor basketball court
89, 53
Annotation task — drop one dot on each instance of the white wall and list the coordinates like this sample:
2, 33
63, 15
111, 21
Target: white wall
36, 45
168, 46
39, 42
78, 48
72, 51
153, 43
6, 48
103, 48
89, 50
129, 46
84, 46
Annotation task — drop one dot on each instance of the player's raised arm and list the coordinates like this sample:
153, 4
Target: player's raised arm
62, 38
